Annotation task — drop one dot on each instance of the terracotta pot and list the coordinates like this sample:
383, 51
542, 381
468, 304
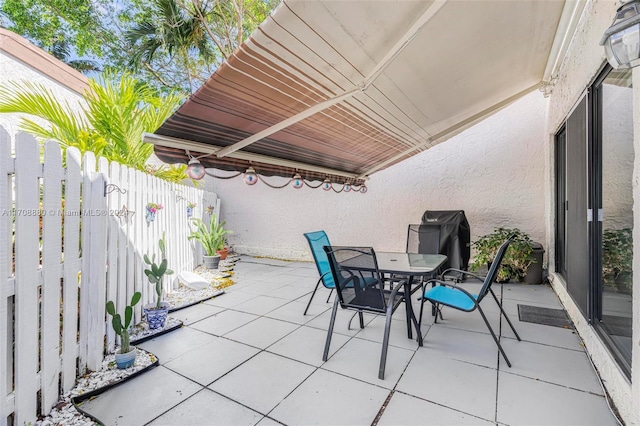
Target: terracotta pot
223, 253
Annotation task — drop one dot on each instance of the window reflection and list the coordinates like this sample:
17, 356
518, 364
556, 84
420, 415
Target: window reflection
617, 209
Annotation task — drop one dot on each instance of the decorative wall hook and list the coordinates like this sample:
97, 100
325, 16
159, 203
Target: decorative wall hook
110, 187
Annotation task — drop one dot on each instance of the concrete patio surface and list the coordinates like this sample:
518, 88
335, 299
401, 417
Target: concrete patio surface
250, 357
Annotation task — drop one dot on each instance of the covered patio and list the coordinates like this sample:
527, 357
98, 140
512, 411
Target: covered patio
251, 357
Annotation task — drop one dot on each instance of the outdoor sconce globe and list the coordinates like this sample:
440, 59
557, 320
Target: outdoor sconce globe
621, 40
297, 181
195, 170
326, 185
250, 176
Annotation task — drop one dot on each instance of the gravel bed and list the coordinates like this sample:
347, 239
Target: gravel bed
64, 413
142, 330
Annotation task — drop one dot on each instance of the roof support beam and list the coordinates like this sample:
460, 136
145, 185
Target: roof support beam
455, 128
391, 55
207, 150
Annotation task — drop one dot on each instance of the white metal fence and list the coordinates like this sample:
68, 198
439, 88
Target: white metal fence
72, 236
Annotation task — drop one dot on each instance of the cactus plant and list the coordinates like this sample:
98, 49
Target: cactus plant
121, 329
157, 272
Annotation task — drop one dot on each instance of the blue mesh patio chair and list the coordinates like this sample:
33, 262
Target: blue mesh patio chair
361, 288
317, 241
447, 294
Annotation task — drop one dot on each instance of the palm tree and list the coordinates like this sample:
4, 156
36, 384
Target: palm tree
175, 29
111, 123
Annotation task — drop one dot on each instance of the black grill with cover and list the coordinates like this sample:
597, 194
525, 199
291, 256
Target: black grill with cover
455, 236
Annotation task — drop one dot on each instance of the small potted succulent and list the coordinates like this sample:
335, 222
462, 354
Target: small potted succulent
516, 260
190, 207
156, 313
126, 356
151, 210
211, 237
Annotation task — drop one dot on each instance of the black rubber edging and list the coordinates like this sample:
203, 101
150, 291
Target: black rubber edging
81, 398
154, 335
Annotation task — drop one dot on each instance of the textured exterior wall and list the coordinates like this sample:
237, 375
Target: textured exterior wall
494, 171
22, 61
583, 62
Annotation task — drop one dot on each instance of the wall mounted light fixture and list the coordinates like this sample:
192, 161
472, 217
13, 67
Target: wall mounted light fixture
621, 40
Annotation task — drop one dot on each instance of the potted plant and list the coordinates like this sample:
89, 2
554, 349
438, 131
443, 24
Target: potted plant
156, 313
151, 210
617, 259
516, 260
190, 207
127, 355
211, 237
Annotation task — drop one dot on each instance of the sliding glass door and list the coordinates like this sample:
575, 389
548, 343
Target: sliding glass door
614, 146
594, 209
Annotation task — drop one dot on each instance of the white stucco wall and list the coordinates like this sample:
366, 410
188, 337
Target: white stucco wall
13, 69
494, 171
582, 63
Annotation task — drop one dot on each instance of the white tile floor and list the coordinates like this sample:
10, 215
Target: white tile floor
250, 357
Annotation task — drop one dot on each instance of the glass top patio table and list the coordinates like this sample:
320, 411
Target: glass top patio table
408, 266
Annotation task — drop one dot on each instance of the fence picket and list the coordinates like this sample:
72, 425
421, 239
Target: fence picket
71, 268
6, 362
113, 171
96, 283
52, 273
27, 254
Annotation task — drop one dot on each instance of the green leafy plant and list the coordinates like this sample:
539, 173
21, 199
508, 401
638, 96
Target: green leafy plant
157, 272
121, 329
617, 254
212, 237
517, 258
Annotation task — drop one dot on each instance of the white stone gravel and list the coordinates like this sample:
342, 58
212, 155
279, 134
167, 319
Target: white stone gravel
142, 330
65, 413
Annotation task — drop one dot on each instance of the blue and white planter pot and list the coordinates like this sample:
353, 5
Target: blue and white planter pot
156, 317
126, 360
149, 216
189, 211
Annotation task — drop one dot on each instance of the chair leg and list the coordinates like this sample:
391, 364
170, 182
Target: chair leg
361, 319
385, 342
505, 314
495, 338
325, 356
329, 297
312, 294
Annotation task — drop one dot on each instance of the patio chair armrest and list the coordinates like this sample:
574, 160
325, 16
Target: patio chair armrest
460, 271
